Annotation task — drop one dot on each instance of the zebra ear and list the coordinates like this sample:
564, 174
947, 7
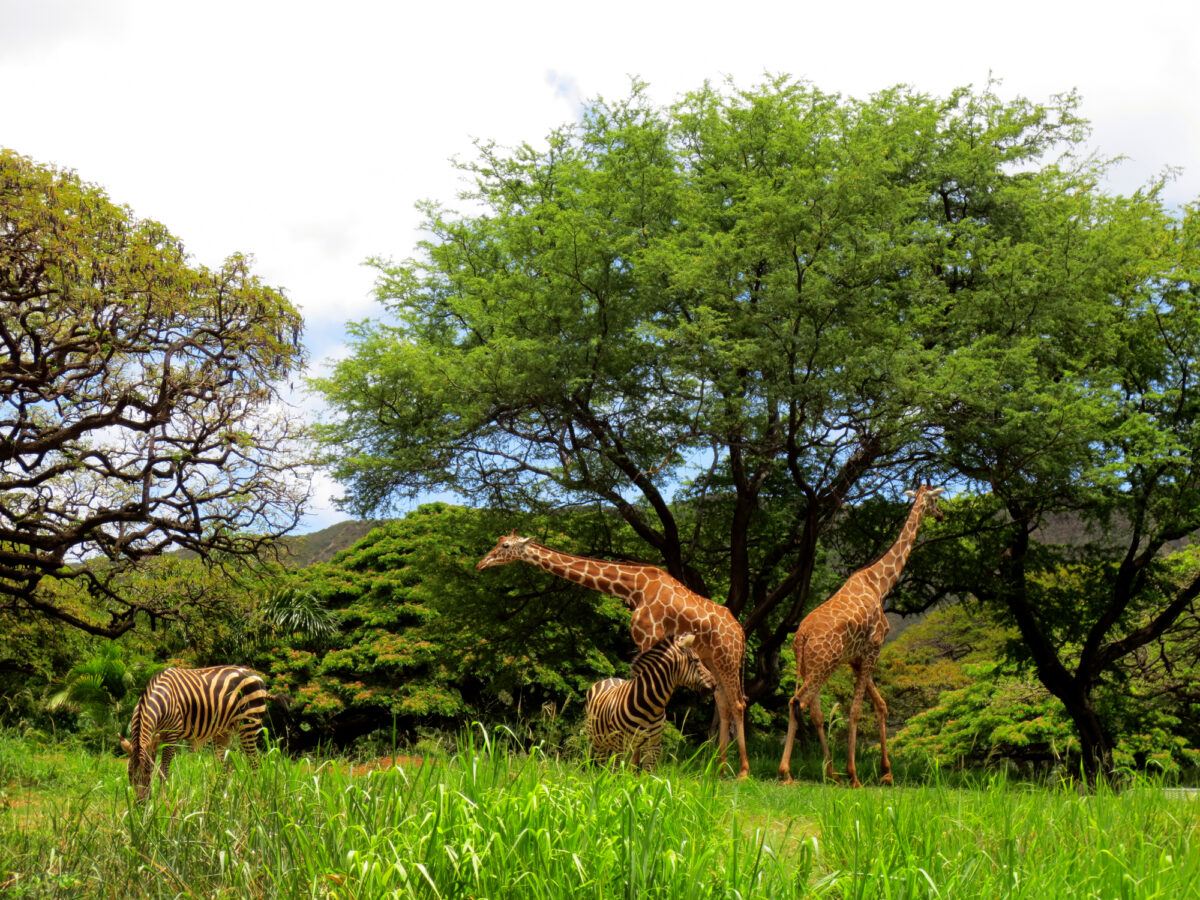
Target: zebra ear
685, 640
125, 745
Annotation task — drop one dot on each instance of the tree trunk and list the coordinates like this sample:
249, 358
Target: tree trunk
1095, 743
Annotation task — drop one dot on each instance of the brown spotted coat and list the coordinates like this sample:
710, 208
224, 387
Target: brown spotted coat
662, 607
850, 627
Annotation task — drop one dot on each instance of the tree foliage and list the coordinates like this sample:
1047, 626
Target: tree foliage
737, 300
421, 641
1068, 399
104, 688
728, 319
136, 394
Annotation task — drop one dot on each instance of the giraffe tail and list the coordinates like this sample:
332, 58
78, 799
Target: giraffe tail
801, 645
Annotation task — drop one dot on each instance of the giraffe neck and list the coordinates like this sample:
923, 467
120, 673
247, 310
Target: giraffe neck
606, 577
890, 566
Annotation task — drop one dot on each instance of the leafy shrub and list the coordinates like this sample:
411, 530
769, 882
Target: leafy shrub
422, 639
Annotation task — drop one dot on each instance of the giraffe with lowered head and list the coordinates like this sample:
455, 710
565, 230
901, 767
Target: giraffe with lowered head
662, 607
850, 627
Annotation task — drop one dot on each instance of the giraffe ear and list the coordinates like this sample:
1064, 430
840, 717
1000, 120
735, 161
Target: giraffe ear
685, 640
936, 491
910, 493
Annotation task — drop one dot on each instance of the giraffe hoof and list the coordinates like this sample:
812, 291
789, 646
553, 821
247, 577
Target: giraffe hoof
886, 779
855, 783
786, 779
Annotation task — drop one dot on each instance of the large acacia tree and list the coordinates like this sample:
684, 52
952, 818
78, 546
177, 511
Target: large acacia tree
137, 396
1068, 397
744, 301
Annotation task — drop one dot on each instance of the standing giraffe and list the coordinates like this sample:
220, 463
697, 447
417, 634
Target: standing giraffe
662, 607
850, 627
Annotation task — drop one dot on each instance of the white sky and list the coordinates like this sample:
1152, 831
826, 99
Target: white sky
304, 133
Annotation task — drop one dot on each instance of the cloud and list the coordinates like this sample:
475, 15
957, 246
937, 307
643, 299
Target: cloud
37, 27
566, 87
329, 238
305, 136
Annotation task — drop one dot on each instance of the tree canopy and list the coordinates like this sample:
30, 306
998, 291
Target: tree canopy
730, 318
137, 398
420, 641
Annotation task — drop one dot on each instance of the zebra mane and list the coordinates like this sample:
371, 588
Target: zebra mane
657, 652
137, 724
135, 731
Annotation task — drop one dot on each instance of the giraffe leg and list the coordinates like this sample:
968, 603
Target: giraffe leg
807, 696
861, 674
730, 711
814, 712
881, 713
721, 695
739, 729
785, 764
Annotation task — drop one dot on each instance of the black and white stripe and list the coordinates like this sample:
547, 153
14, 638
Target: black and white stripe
195, 705
627, 715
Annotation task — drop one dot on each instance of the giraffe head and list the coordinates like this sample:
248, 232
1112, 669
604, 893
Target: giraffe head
509, 548
928, 496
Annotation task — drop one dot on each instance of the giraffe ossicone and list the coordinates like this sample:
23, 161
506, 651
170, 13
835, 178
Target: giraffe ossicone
662, 607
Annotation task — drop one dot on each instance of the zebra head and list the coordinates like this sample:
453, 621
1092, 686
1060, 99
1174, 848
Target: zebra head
690, 672
141, 759
509, 548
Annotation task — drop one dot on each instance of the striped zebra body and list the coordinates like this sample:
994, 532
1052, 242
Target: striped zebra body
195, 705
626, 716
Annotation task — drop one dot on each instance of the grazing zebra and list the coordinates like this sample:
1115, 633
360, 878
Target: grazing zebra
627, 715
196, 705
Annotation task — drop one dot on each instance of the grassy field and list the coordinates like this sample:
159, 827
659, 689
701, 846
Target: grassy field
486, 822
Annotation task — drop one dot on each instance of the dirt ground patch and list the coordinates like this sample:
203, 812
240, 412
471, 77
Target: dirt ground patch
387, 762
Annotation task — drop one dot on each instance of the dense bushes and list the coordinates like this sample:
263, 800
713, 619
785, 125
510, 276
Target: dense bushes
422, 640
399, 636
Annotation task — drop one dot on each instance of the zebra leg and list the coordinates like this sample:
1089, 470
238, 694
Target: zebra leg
650, 752
248, 738
220, 744
164, 765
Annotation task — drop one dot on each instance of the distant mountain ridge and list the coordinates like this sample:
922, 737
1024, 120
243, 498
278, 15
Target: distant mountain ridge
302, 550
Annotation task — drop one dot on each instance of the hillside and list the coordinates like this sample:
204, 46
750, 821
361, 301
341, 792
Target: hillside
303, 550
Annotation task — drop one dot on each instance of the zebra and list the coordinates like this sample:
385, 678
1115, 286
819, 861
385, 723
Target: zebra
627, 715
196, 705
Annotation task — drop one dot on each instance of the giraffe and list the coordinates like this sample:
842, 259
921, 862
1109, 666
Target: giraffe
850, 627
662, 607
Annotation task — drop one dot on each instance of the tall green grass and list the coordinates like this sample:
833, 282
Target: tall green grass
490, 822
